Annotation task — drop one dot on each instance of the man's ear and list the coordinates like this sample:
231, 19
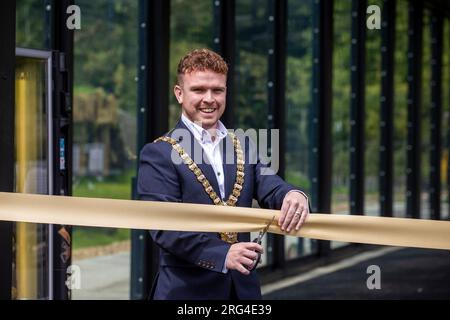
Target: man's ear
178, 93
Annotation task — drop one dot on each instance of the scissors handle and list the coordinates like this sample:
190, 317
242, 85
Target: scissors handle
258, 240
258, 258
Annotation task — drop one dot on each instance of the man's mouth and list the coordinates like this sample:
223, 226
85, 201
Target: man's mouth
208, 110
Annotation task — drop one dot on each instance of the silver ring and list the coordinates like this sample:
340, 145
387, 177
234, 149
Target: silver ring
297, 214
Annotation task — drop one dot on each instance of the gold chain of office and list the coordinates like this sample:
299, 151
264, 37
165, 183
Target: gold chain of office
230, 237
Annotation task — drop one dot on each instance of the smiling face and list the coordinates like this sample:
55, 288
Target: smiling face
202, 96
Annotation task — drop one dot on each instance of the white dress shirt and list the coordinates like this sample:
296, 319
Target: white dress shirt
211, 148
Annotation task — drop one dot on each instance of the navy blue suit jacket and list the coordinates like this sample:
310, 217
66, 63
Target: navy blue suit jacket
191, 263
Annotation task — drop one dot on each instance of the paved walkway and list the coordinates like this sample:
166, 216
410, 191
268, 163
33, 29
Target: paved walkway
104, 278
404, 274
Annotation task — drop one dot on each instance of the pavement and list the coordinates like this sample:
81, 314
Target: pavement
104, 278
391, 273
404, 273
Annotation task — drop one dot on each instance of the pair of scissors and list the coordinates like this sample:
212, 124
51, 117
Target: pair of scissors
258, 240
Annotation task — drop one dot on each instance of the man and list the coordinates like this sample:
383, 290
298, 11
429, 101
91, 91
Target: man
209, 265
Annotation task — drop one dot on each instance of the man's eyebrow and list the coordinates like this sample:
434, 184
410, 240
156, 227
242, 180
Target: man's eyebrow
193, 87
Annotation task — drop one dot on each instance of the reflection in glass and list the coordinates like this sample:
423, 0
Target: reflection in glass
32, 24
252, 45
251, 74
104, 143
190, 28
341, 107
425, 120
372, 120
30, 241
298, 100
400, 108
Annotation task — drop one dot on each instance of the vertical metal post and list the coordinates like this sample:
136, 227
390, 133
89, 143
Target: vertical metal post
320, 111
224, 44
414, 78
357, 108
153, 86
447, 132
7, 129
276, 84
387, 107
436, 114
62, 41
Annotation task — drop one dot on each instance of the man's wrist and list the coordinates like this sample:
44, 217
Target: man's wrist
299, 191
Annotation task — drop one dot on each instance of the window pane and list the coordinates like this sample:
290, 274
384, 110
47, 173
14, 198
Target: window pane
425, 119
104, 148
400, 108
33, 24
251, 73
341, 109
372, 120
252, 44
190, 28
298, 101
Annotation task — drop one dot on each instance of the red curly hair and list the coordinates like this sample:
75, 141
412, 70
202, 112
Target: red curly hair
201, 60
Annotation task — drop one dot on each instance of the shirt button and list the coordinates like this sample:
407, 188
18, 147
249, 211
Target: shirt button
218, 173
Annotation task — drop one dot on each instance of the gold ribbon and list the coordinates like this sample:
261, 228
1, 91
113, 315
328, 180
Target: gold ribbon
151, 215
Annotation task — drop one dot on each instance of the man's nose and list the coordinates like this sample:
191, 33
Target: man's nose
208, 97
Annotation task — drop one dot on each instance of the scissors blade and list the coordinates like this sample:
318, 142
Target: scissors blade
264, 231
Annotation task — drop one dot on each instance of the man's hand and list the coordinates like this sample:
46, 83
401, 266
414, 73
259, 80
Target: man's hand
294, 211
241, 255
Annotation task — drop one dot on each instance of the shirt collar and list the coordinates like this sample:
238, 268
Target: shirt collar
202, 134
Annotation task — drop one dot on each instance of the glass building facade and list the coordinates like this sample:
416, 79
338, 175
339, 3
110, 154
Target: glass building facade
276, 48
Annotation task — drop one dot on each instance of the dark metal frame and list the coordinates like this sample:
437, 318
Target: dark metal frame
224, 44
436, 30
357, 106
276, 84
447, 135
7, 132
320, 113
153, 101
62, 44
386, 173
414, 78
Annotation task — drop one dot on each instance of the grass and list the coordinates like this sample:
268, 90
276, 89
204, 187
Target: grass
84, 237
84, 89
115, 187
